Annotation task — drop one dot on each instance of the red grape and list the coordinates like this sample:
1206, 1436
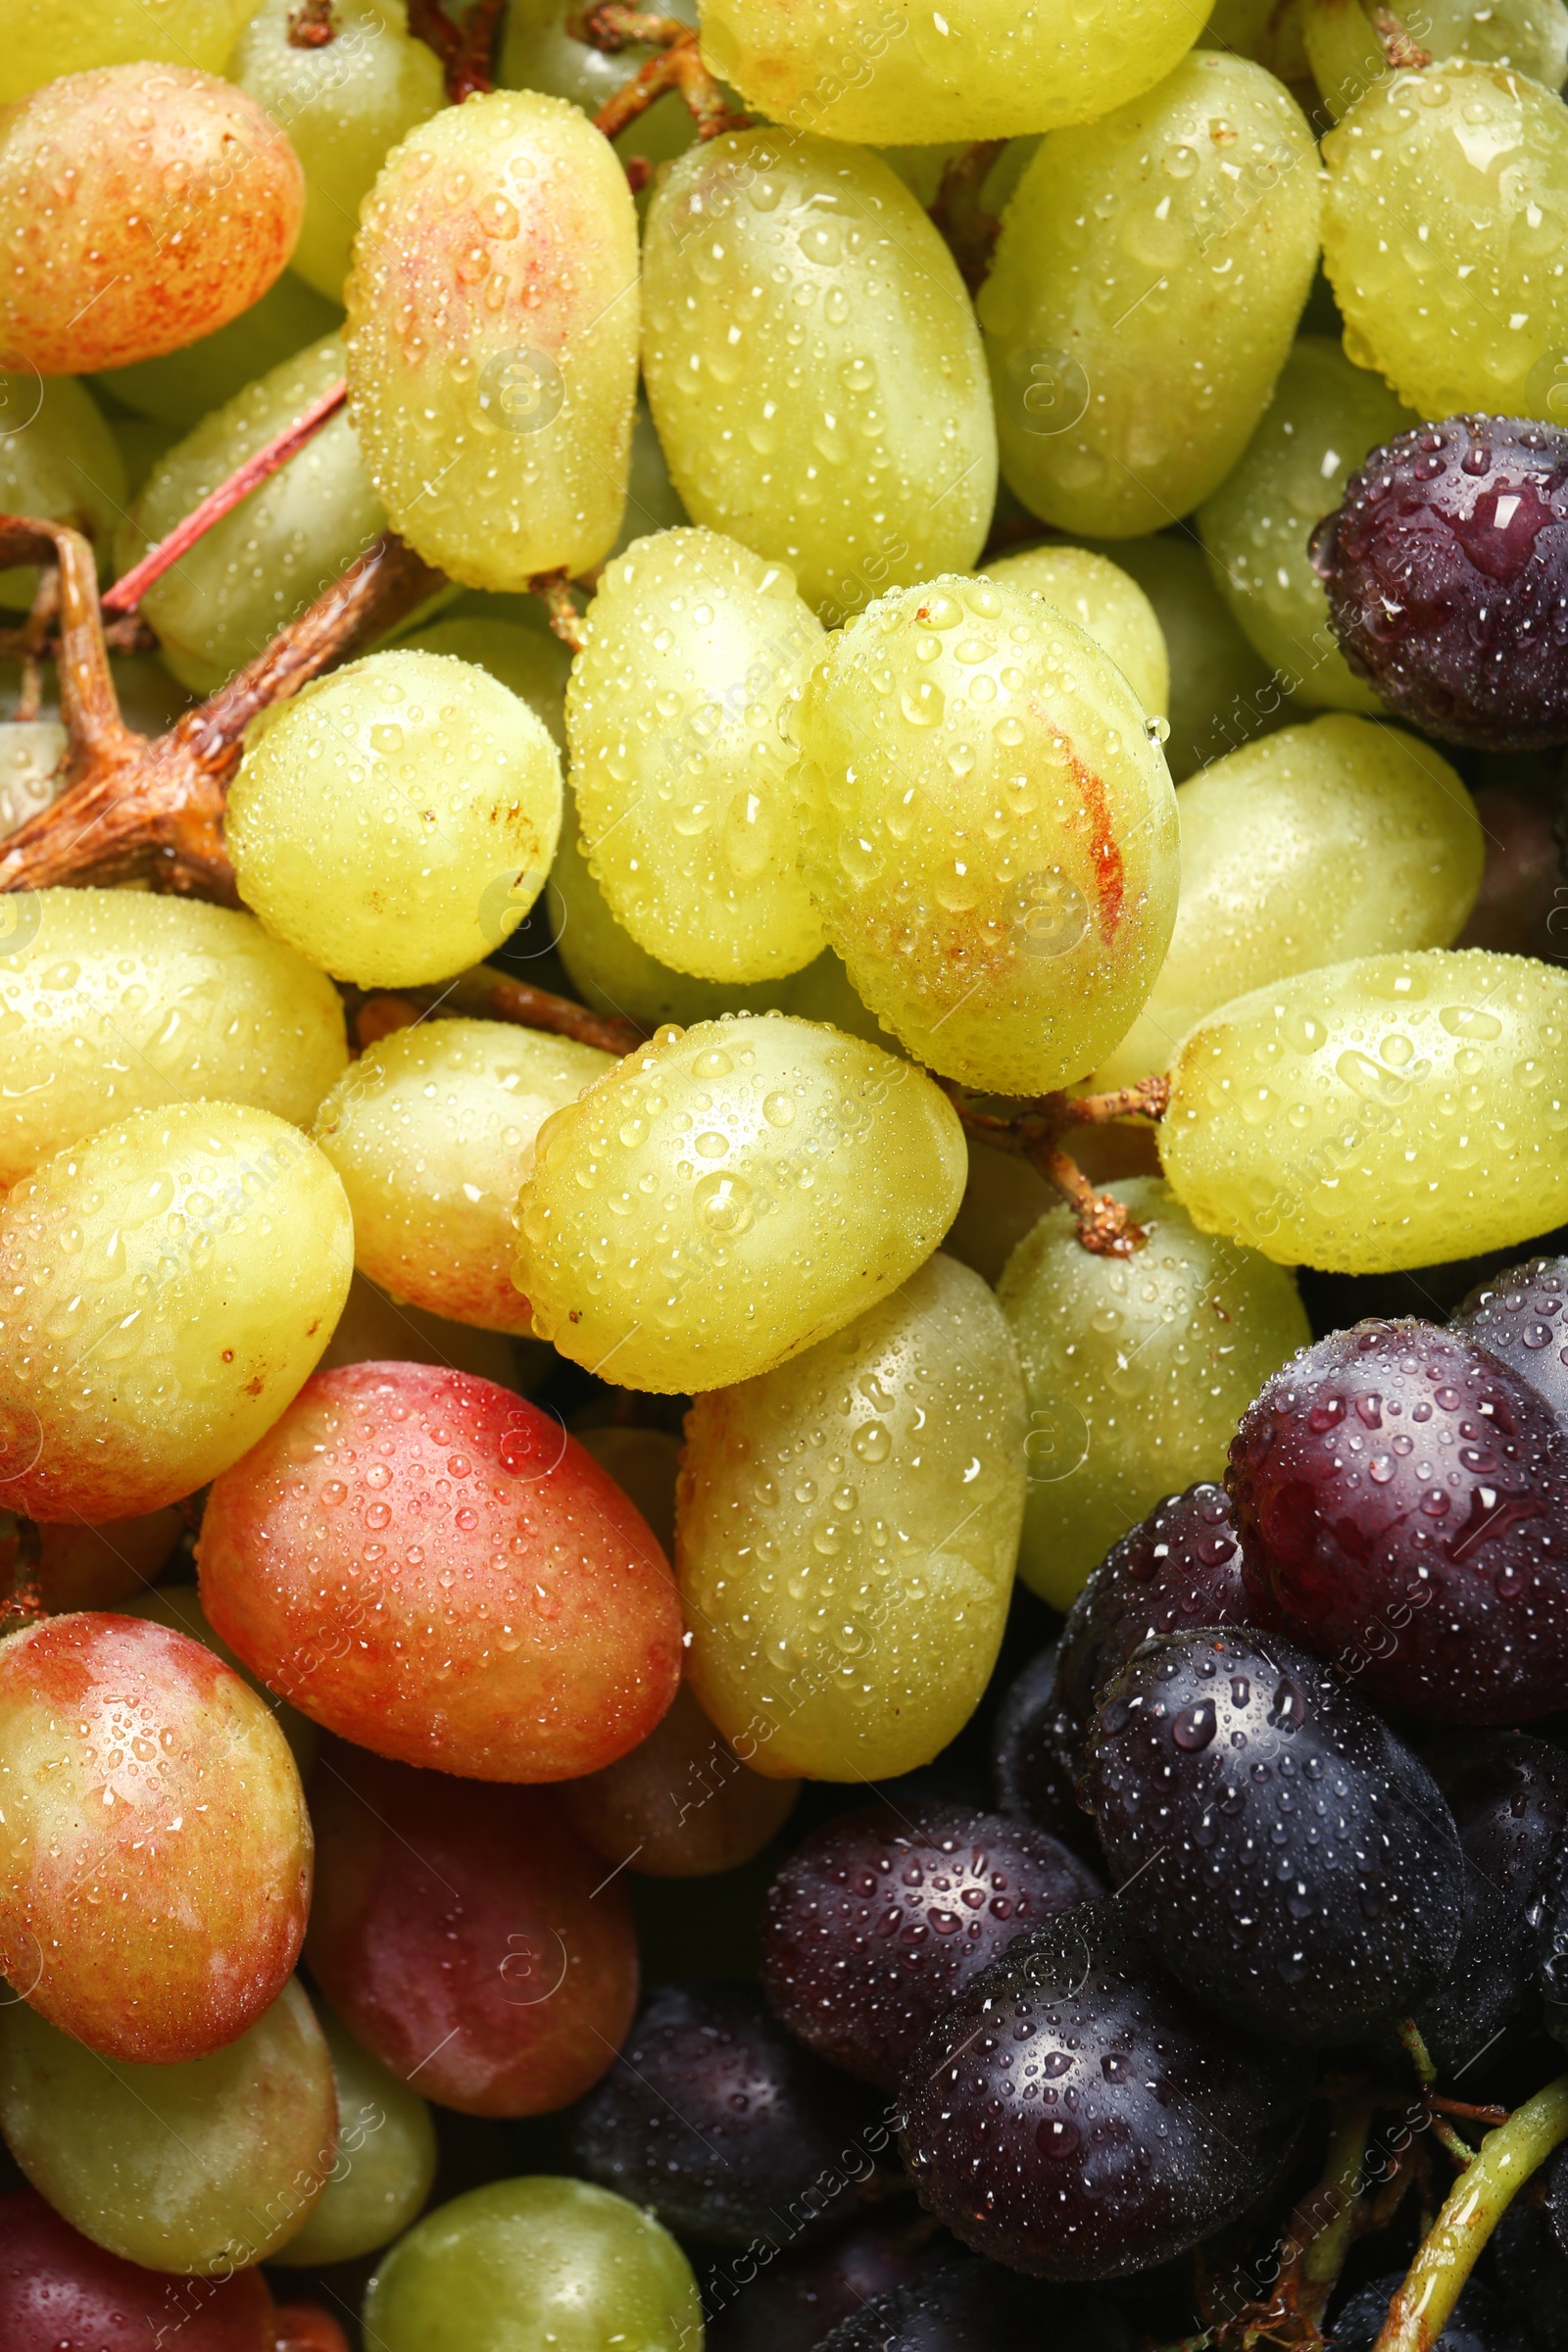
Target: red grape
1522, 1317
1037, 1758
59, 2292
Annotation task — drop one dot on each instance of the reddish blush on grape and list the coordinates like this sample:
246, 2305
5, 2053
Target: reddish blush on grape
57, 2288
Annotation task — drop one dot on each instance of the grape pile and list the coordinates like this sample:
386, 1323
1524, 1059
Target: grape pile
783, 1176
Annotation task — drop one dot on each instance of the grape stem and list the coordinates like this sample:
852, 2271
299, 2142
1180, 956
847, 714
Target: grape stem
676, 65
467, 51
553, 591
496, 995
1035, 1133
312, 25
1402, 51
968, 229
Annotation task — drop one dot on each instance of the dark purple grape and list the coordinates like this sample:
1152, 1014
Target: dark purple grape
1402, 1503
1481, 2322
1522, 1318
790, 2303
1076, 2116
721, 2125
878, 1921
1447, 570
974, 2306
1037, 1758
1552, 1955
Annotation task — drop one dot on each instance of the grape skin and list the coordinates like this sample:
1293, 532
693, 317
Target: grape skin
1221, 693
1346, 56
1179, 1569
1108, 605
186, 385
58, 459
681, 1805
179, 1608
1522, 1316
53, 2279
387, 2146
45, 38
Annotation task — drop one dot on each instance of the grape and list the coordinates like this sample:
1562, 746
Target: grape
1220, 692
343, 106
164, 1289
825, 1173
119, 1001
185, 386
878, 1921
395, 1497
258, 568
57, 2288
430, 1130
811, 2289
539, 51
396, 821
1522, 1316
1323, 842
97, 1567
1136, 1371
179, 1608
974, 2306
58, 459
1132, 358
822, 993
162, 1929
814, 366
465, 1937
682, 1805
530, 662
992, 852
1074, 2115
45, 38
1108, 605
846, 1528
519, 2262
1037, 1758
183, 206
1354, 1526
1348, 56
679, 773
1417, 1117
493, 339
386, 2159
32, 753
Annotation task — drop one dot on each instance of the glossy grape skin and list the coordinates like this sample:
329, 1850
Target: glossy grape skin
182, 206
787, 2305
1522, 1317
814, 366
846, 1530
164, 1289
59, 458
186, 385
179, 1608
1147, 285
1108, 605
430, 1130
1346, 56
120, 1002
161, 1929
530, 662
1435, 1571
394, 1499
975, 2306
521, 2262
491, 385
1221, 693
1037, 1758
1144, 2129
682, 1805
386, 2161
46, 38
994, 851
1400, 1111
57, 2288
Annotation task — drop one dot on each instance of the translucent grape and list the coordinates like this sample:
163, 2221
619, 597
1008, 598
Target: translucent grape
1108, 605
186, 385
164, 1289
532, 664
58, 459
45, 38
431, 1130
32, 756
846, 1532
180, 1607
113, 1001
727, 1196
1323, 842
1137, 1371
396, 821
682, 1805
1222, 694
386, 2157
989, 832
183, 205
814, 366
493, 384
1398, 1110
1148, 281
1347, 55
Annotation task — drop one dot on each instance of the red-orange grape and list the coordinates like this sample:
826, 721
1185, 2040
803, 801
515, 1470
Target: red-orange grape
59, 2291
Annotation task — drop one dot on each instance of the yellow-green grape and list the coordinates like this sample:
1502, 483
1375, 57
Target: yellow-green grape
1108, 605
680, 770
142, 442
343, 105
1148, 281
1003, 1198
396, 821
846, 1530
45, 38
1222, 694
386, 2159
1326, 840
113, 1001
1398, 1110
981, 69
822, 993
179, 1608
1323, 419
814, 366
1443, 226
493, 318
201, 2168
539, 51
188, 385
1269, 30
531, 664
165, 1288
225, 599
1347, 55
1137, 1369
59, 461
988, 831
729, 1195
33, 759
433, 1131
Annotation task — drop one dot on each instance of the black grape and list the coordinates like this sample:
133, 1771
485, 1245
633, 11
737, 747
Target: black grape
973, 2306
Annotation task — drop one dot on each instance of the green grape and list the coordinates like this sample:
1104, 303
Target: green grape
729, 1195
431, 1131
530, 663
846, 1530
1108, 605
142, 443
1444, 259
493, 312
396, 821
822, 993
204, 2168
180, 1607
59, 461
1220, 692
1323, 419
32, 754
386, 2159
164, 1289
1397, 1110
189, 384
539, 51
1148, 281
1348, 56
1267, 30
1003, 1198
814, 366
45, 38
1324, 842
988, 831
535, 2262
680, 771
1137, 1370
113, 1000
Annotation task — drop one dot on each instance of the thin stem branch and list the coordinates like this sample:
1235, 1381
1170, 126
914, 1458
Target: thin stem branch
496, 995
1035, 1132
970, 231
553, 591
1420, 2056
31, 639
467, 51
677, 65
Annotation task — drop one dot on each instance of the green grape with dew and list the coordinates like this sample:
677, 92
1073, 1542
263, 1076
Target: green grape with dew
59, 461
531, 664
45, 38
1108, 605
1348, 54
1221, 693
386, 2159
540, 51
188, 385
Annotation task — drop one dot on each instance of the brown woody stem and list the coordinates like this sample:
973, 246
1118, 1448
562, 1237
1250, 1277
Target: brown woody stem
1398, 47
969, 231
312, 25
497, 996
1034, 1133
677, 65
467, 51
553, 591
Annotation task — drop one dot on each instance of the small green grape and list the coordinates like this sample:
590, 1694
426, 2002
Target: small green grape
1269, 30
1347, 54
1221, 695
179, 1608
45, 38
188, 385
386, 2159
1108, 605
59, 461
531, 664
